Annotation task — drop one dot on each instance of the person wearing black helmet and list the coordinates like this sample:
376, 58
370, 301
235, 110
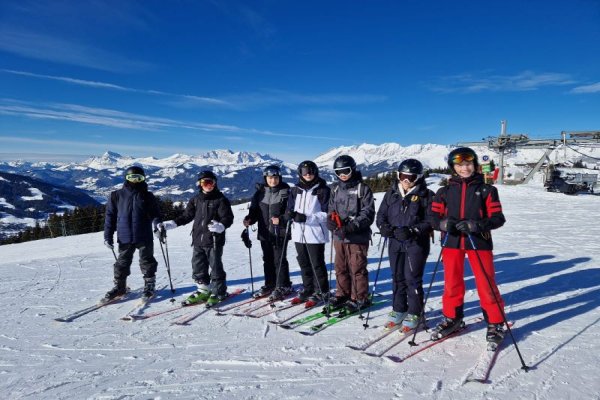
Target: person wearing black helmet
464, 210
403, 218
211, 212
307, 208
351, 213
267, 208
132, 211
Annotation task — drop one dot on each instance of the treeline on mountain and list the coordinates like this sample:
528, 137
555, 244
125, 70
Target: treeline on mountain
81, 220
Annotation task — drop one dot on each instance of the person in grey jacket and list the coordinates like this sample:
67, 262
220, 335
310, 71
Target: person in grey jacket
211, 212
132, 211
351, 213
267, 208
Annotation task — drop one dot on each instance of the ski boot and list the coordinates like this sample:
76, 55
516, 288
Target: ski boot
201, 295
494, 336
446, 327
395, 318
264, 291
149, 287
280, 293
216, 298
118, 290
302, 297
410, 322
336, 302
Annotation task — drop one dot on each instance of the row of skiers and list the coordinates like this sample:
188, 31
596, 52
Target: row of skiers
465, 211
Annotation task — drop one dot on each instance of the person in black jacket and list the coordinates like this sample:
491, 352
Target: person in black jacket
464, 210
268, 207
403, 218
211, 212
133, 212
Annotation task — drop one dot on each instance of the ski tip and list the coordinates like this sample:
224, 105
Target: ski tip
353, 347
395, 359
62, 320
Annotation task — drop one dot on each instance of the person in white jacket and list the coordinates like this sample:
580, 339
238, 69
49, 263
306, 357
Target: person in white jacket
307, 208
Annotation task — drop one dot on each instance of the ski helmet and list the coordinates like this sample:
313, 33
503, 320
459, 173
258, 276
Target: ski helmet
410, 169
135, 174
344, 165
308, 167
461, 154
272, 170
206, 175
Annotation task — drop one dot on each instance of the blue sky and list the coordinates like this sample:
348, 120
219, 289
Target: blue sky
290, 78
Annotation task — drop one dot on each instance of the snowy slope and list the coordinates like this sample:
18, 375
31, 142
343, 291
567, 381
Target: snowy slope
547, 261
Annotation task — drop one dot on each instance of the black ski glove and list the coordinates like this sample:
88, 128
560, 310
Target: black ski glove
299, 217
468, 226
349, 228
403, 233
246, 238
386, 230
448, 225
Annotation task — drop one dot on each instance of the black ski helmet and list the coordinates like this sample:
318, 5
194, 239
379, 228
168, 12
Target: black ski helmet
411, 166
462, 153
272, 170
308, 167
135, 170
343, 163
206, 174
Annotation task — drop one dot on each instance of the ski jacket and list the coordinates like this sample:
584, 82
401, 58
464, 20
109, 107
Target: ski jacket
412, 210
312, 201
266, 203
470, 199
354, 202
203, 208
132, 211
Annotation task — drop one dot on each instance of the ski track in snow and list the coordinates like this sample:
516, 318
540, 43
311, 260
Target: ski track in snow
547, 261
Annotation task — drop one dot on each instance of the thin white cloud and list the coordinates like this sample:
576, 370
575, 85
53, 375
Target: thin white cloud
523, 81
124, 120
593, 88
49, 48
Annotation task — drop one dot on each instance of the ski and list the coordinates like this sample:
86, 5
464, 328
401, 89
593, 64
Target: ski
102, 303
137, 309
309, 318
294, 315
342, 315
189, 317
480, 372
161, 312
376, 339
273, 309
222, 310
404, 334
250, 311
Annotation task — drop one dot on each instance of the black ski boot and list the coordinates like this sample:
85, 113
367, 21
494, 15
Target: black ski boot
149, 287
446, 327
495, 335
119, 289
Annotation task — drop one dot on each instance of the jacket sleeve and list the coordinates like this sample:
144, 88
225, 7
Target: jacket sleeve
188, 214
155, 211
438, 208
424, 226
225, 213
254, 210
323, 199
381, 218
366, 216
110, 217
495, 218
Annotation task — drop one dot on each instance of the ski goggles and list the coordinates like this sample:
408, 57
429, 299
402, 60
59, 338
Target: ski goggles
403, 176
207, 182
135, 178
346, 171
272, 172
460, 157
307, 171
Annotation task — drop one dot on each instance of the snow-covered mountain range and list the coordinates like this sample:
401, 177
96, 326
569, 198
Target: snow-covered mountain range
174, 177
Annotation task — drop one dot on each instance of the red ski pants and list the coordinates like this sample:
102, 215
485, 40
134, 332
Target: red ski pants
454, 283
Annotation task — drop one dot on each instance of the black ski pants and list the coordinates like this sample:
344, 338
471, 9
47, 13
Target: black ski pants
407, 265
277, 269
311, 258
148, 264
202, 259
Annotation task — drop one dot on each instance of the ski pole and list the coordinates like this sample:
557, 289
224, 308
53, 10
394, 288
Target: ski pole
331, 266
487, 278
114, 254
422, 316
285, 239
312, 265
165, 253
366, 324
248, 244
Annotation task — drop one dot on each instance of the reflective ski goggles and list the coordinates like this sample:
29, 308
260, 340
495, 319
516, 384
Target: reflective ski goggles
460, 157
272, 172
207, 182
307, 171
403, 176
135, 178
346, 171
